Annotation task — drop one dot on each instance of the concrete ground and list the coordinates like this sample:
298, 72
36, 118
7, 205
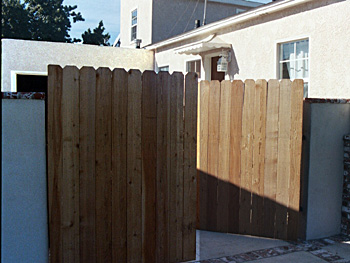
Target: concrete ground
215, 247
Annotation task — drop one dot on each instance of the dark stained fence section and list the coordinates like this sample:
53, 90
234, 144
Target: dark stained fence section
121, 165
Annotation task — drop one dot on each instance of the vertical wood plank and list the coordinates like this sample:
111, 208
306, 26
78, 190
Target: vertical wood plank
213, 154
202, 152
247, 158
149, 165
103, 165
176, 190
190, 177
134, 168
54, 154
271, 155
283, 162
237, 95
163, 156
70, 168
119, 159
295, 158
87, 99
224, 157
259, 142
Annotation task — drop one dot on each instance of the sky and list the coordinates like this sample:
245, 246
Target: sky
107, 10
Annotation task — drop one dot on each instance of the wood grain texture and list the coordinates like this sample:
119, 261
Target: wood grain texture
87, 98
202, 152
213, 154
295, 158
283, 162
190, 166
176, 183
134, 168
119, 160
70, 167
237, 94
271, 155
149, 165
224, 156
247, 158
163, 165
103, 165
259, 157
54, 155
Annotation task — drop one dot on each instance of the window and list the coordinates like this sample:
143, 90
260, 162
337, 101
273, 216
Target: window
164, 68
31, 83
194, 66
294, 62
133, 24
240, 10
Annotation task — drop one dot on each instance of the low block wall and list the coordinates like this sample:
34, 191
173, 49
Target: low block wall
24, 227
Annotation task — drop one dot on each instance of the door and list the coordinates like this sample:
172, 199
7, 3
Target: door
215, 75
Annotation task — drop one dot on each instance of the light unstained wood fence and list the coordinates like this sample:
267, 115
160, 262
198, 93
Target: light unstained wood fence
121, 165
249, 157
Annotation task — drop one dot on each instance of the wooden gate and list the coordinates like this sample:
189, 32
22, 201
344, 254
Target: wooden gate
121, 165
249, 157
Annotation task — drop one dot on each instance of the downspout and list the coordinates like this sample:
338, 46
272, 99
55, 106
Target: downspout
205, 12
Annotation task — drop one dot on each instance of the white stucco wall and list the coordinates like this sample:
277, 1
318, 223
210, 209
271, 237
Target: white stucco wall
24, 227
255, 46
35, 56
144, 21
329, 123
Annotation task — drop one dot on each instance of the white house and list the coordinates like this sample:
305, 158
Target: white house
305, 39
152, 21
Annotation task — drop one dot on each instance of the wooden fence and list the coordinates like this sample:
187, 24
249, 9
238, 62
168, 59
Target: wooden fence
249, 157
121, 165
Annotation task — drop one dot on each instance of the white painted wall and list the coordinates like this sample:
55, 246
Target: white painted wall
329, 123
35, 56
159, 20
255, 42
24, 226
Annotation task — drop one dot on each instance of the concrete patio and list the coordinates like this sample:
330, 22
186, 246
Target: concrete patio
219, 247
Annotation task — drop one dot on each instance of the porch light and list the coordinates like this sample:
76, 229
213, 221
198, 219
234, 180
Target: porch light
225, 58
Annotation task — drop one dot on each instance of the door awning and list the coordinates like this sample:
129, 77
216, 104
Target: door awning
210, 43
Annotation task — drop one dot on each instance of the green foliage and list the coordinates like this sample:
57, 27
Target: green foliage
47, 20
96, 37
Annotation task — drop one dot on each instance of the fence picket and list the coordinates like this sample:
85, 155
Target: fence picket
134, 168
119, 160
271, 155
247, 158
55, 162
235, 154
190, 178
70, 167
87, 167
283, 161
224, 156
176, 183
149, 164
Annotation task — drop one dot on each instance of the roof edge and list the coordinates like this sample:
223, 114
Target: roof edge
250, 14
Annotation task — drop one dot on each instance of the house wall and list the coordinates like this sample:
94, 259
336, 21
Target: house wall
144, 21
329, 123
159, 20
35, 56
167, 23
255, 46
24, 227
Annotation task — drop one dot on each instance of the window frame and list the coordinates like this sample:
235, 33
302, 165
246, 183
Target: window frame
279, 59
14, 74
200, 66
164, 67
133, 26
